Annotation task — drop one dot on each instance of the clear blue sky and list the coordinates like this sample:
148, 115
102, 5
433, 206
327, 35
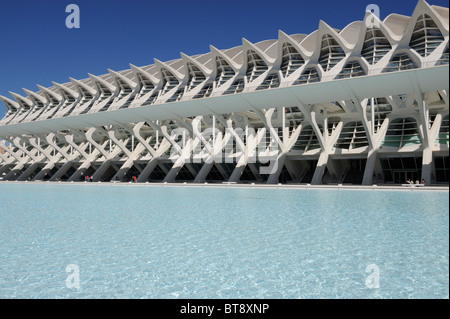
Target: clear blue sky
37, 48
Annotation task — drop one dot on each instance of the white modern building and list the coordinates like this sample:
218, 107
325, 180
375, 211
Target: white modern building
368, 104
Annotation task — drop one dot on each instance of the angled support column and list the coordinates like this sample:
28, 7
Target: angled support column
88, 157
155, 153
372, 157
310, 115
374, 139
333, 169
182, 153
134, 155
374, 146
21, 162
297, 169
243, 159
277, 163
51, 159
81, 149
131, 155
108, 155
284, 145
63, 151
427, 153
214, 151
36, 160
6, 159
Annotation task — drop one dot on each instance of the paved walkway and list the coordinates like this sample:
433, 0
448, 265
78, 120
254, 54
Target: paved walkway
253, 185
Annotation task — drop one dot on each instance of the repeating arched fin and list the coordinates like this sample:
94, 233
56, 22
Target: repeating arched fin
247, 45
162, 65
351, 32
309, 43
38, 99
24, 103
291, 56
423, 8
11, 105
331, 48
442, 12
373, 21
397, 24
150, 77
206, 71
372, 28
65, 90
51, 94
99, 82
117, 76
324, 29
216, 52
269, 61
269, 47
83, 86
285, 38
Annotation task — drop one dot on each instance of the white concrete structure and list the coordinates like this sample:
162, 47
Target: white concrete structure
364, 105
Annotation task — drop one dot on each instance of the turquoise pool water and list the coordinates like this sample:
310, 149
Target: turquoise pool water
200, 242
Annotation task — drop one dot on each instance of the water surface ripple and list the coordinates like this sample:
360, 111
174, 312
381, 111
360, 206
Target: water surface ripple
200, 242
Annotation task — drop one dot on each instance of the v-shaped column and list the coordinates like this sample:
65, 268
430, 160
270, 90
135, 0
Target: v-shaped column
156, 154
133, 156
182, 154
113, 152
88, 156
211, 153
18, 160
373, 138
326, 142
37, 160
284, 144
64, 151
52, 159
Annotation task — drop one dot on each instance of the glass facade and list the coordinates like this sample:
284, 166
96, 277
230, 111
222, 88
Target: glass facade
381, 108
426, 36
330, 53
353, 135
443, 136
400, 62
375, 46
224, 71
236, 87
309, 75
255, 67
291, 60
205, 91
350, 70
397, 170
196, 76
307, 140
402, 132
169, 80
145, 83
444, 58
271, 81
